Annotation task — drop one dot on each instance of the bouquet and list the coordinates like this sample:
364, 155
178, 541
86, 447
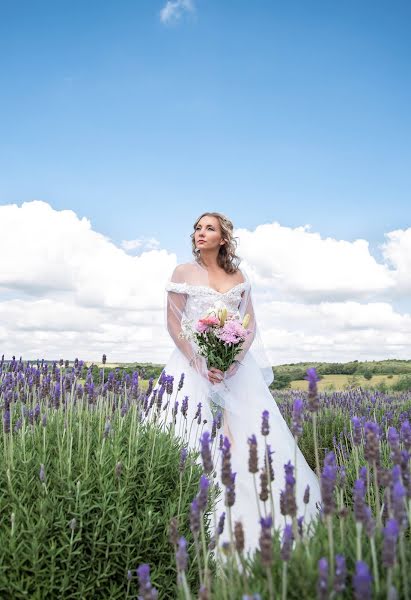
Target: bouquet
219, 335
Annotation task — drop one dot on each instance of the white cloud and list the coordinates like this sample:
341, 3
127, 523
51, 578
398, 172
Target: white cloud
149, 244
173, 10
300, 264
66, 291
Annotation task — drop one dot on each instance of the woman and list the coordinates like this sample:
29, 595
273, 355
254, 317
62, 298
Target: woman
241, 394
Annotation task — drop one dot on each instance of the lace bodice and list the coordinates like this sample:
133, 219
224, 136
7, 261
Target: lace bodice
201, 297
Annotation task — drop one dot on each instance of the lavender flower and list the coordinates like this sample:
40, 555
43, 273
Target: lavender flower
169, 384
182, 555
202, 497
322, 582
268, 462
226, 462
220, 526
391, 531
398, 500
42, 473
195, 517
181, 382
252, 456
340, 574
184, 406
183, 458
266, 542
173, 532
393, 439
265, 426
289, 502
297, 418
263, 486
328, 479
359, 501
239, 536
405, 433
313, 400
372, 448
357, 431
306, 498
362, 580
206, 453
146, 590
287, 543
6, 421
230, 491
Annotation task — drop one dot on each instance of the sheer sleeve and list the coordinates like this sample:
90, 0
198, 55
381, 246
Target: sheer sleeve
177, 294
248, 309
253, 342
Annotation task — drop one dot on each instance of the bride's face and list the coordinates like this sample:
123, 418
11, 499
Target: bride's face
208, 233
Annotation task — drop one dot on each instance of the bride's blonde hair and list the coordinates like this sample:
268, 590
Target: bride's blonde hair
226, 258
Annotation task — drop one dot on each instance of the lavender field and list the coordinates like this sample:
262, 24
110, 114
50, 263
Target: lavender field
99, 500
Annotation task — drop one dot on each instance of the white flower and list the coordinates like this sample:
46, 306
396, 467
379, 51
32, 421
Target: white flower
218, 305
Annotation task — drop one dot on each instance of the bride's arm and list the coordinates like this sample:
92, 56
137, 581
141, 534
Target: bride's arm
175, 308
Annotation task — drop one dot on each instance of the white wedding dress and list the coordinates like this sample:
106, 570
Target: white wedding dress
244, 404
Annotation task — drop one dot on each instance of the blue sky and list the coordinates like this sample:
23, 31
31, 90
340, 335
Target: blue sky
290, 112
279, 115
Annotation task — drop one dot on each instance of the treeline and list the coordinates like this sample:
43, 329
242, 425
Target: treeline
355, 367
286, 373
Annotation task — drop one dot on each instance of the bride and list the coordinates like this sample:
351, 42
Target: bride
237, 398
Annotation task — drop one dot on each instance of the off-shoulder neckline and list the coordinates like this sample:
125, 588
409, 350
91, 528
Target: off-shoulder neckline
207, 287
226, 292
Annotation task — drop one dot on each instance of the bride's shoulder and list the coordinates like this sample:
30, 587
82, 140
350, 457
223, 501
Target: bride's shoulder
182, 270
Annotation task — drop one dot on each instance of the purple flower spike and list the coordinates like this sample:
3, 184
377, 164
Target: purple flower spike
357, 431
265, 426
297, 418
253, 455
266, 542
146, 590
398, 499
206, 453
306, 498
322, 582
42, 473
287, 542
359, 501
181, 555
183, 459
6, 421
203, 493
195, 517
406, 434
372, 438
391, 531
362, 580
340, 574
220, 527
313, 401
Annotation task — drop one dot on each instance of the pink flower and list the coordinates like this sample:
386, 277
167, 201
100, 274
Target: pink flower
232, 332
207, 322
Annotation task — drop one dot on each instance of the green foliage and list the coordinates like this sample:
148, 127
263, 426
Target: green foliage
103, 508
403, 384
281, 381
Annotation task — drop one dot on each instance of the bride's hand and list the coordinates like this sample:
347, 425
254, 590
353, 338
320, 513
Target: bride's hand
232, 370
215, 375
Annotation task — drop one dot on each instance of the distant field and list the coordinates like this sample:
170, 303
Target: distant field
341, 382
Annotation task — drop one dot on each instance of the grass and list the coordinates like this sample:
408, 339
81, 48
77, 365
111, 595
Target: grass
342, 382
